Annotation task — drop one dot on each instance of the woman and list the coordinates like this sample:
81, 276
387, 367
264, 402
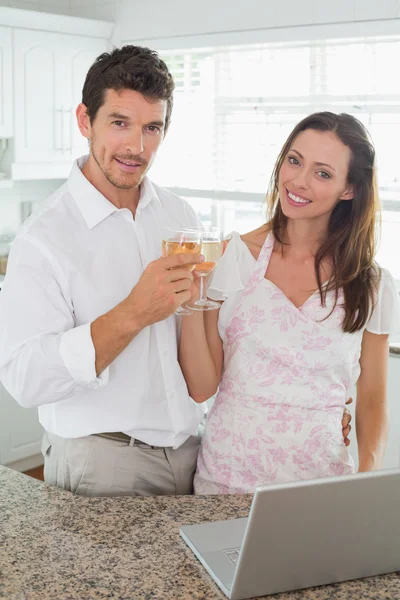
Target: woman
306, 314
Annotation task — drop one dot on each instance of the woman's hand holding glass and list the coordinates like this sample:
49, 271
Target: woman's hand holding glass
212, 249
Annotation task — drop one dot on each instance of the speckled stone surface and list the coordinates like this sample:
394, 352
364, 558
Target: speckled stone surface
57, 546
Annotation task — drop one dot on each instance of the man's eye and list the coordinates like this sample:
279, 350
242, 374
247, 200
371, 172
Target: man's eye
118, 123
154, 129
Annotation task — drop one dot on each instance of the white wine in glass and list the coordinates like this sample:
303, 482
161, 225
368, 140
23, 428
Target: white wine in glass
212, 250
172, 247
181, 241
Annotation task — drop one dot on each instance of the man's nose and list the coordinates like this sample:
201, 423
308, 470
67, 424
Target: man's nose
135, 142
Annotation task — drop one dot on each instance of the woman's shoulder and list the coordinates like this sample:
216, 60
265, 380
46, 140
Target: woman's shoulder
235, 249
255, 239
385, 317
234, 268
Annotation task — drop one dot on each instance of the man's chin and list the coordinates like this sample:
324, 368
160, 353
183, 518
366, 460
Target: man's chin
126, 183
126, 186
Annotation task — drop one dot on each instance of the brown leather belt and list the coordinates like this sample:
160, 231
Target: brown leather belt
116, 436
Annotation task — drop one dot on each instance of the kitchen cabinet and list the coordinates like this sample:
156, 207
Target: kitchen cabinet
50, 69
20, 434
6, 83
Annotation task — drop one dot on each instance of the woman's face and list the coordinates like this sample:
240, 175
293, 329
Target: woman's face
313, 176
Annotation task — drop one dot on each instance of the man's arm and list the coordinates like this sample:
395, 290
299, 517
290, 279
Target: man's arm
44, 357
164, 285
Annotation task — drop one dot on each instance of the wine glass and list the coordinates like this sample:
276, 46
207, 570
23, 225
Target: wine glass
179, 240
212, 250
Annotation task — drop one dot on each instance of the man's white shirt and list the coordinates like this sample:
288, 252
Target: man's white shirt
73, 260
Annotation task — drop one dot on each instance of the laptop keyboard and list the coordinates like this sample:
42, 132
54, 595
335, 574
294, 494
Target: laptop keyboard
233, 554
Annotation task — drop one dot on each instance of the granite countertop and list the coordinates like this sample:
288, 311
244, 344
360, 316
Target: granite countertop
57, 546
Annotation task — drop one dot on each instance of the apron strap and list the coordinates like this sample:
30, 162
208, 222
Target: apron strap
262, 261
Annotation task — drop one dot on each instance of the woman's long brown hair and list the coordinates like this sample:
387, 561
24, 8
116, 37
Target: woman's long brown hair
351, 241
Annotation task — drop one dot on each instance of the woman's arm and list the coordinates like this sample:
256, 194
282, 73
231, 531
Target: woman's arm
371, 407
201, 354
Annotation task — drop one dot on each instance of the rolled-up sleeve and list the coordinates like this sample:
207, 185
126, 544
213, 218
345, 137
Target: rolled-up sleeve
44, 356
79, 356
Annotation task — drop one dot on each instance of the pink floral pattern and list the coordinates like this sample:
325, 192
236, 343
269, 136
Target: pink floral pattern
287, 374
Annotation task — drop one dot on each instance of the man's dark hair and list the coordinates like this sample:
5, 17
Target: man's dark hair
130, 67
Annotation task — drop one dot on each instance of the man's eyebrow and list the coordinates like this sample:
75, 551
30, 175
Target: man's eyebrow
157, 123
116, 115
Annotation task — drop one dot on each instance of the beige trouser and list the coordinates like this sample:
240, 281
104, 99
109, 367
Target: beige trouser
95, 466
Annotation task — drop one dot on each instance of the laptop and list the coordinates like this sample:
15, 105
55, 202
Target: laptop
304, 534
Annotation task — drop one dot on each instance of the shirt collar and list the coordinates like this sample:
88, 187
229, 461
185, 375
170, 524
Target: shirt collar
95, 207
147, 194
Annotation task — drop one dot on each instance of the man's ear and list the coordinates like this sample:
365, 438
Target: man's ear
348, 193
83, 121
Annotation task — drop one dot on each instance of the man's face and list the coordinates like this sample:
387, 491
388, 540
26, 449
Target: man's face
125, 136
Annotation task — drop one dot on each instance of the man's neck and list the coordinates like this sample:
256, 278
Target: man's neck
119, 197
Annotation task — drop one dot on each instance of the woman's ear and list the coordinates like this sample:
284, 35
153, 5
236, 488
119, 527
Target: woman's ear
348, 193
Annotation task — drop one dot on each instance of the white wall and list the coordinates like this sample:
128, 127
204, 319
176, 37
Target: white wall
393, 448
392, 456
137, 20
104, 10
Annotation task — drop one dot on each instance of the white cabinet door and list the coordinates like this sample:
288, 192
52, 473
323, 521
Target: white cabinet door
37, 99
49, 73
6, 95
20, 431
81, 54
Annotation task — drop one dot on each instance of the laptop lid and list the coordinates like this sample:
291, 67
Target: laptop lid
318, 532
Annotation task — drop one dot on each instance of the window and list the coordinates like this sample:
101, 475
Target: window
235, 106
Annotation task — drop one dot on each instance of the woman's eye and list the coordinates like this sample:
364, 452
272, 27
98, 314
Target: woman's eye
293, 160
324, 174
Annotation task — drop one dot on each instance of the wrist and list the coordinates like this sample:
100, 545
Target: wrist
131, 319
120, 321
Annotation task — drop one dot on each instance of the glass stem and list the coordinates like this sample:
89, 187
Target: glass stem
203, 297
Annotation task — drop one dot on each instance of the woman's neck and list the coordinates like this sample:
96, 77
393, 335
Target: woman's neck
302, 238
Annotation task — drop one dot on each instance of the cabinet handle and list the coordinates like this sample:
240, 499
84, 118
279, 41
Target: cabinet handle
59, 120
67, 112
62, 129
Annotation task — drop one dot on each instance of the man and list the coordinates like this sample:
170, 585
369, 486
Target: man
87, 331
86, 327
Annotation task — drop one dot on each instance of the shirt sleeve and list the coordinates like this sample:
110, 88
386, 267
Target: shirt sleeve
385, 318
226, 278
44, 356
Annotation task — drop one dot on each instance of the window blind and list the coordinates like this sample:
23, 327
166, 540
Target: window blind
234, 107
